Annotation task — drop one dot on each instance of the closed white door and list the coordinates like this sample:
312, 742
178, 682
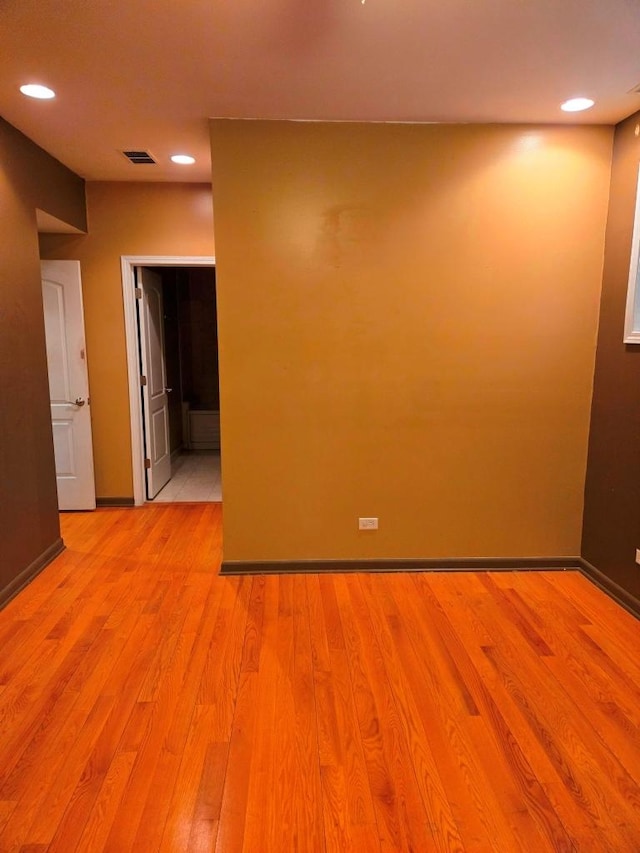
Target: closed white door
68, 384
155, 402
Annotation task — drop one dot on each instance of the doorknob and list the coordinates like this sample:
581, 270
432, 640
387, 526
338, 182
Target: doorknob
168, 390
79, 402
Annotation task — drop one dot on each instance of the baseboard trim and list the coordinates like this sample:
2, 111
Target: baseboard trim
621, 596
469, 564
102, 502
27, 575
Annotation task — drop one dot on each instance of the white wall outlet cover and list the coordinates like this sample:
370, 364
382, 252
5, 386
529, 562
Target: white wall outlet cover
367, 524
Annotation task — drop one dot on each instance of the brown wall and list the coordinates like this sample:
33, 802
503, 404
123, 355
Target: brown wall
612, 498
125, 219
407, 320
29, 179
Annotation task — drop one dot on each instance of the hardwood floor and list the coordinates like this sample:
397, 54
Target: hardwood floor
148, 704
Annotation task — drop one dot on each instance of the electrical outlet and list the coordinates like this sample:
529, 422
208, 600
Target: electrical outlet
367, 524
638, 556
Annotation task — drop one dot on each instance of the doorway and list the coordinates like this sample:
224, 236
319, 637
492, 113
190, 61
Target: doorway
191, 433
68, 384
188, 398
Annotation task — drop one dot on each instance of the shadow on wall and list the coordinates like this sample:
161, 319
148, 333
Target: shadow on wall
191, 349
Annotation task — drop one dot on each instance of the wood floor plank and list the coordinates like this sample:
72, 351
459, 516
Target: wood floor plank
6, 809
148, 704
52, 745
460, 601
598, 609
233, 812
604, 673
106, 806
342, 750
285, 770
481, 820
548, 755
570, 740
43, 816
348, 813
399, 665
265, 758
600, 614
208, 803
614, 717
175, 713
29, 635
220, 679
575, 754
309, 816
177, 831
320, 654
149, 723
398, 800
83, 767
512, 740
253, 630
60, 723
517, 743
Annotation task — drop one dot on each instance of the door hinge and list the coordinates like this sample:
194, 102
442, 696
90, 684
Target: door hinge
143, 380
138, 292
147, 463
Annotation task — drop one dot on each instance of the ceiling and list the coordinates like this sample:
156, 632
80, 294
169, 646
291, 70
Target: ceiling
148, 74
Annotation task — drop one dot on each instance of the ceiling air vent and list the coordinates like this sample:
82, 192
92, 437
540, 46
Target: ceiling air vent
139, 156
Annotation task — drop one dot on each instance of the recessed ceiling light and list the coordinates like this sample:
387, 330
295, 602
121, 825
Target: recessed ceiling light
35, 90
576, 105
183, 159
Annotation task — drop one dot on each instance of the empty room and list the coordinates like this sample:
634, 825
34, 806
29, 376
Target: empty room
320, 331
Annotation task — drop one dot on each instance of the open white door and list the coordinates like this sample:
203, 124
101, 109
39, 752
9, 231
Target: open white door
68, 384
154, 390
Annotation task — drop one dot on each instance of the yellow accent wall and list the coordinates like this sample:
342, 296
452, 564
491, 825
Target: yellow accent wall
407, 325
124, 219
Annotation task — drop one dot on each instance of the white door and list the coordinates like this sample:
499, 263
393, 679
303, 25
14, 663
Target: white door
155, 403
68, 384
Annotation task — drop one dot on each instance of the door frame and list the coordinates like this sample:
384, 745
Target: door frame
127, 265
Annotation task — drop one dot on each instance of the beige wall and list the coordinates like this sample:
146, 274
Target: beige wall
407, 319
125, 219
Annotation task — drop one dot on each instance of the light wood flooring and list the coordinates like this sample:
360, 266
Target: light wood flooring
148, 704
